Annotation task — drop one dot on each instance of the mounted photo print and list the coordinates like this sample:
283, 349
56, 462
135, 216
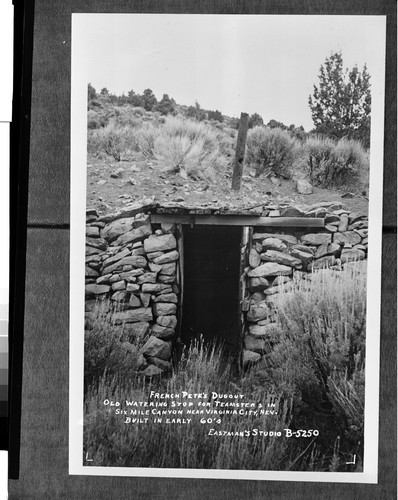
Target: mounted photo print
226, 202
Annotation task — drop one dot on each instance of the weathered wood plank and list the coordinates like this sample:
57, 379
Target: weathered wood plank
236, 220
240, 151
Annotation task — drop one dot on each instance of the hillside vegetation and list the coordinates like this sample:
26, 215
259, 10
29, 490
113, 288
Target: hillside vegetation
200, 144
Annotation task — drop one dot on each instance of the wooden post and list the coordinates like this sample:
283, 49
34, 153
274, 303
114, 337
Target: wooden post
240, 151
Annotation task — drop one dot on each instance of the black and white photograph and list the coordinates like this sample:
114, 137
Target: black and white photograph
226, 214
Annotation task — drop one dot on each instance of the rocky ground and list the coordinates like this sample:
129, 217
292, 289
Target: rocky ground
112, 185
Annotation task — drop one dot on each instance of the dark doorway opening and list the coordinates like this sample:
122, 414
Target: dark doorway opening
211, 285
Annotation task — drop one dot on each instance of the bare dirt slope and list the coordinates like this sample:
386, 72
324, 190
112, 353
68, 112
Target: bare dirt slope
112, 185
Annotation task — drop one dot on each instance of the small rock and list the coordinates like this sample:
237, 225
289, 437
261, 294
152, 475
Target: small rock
119, 296
157, 348
250, 358
143, 314
274, 244
166, 258
352, 255
350, 237
168, 297
343, 223
92, 232
160, 363
164, 309
162, 332
316, 239
254, 258
258, 345
258, 312
134, 301
96, 289
152, 371
323, 262
160, 243
281, 258
258, 284
270, 269
118, 285
145, 299
304, 187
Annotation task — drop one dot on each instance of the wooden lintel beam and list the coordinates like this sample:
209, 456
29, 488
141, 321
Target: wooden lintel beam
238, 220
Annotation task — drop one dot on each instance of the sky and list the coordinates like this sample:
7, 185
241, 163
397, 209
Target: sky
234, 63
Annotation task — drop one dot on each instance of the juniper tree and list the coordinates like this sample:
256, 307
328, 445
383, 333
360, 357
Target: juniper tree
341, 103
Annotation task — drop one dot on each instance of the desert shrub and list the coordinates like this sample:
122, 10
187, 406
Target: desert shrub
105, 353
270, 150
114, 140
128, 116
320, 359
188, 147
332, 164
93, 119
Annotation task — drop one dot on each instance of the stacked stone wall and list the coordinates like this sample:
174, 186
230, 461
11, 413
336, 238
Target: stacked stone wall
133, 265
275, 257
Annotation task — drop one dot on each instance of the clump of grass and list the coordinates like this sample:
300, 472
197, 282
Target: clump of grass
270, 150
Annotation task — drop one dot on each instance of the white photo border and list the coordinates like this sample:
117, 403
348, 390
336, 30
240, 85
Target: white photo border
79, 81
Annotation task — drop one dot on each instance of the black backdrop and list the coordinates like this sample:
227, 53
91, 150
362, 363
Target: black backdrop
40, 305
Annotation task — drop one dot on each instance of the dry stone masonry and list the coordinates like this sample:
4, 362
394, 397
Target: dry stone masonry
135, 266
275, 257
